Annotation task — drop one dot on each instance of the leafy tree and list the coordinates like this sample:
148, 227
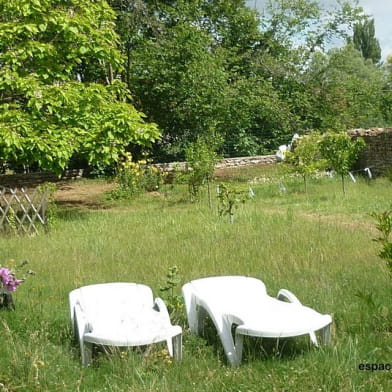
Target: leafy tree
347, 91
229, 199
179, 82
306, 157
365, 41
341, 152
59, 96
197, 63
308, 26
135, 21
201, 158
253, 118
386, 104
294, 33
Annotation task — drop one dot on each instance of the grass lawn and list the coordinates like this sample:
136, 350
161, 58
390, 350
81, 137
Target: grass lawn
318, 245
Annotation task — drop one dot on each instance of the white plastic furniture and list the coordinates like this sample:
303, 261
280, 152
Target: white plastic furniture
243, 302
121, 314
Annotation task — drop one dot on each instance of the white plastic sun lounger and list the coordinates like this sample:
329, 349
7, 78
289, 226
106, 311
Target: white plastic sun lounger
121, 314
243, 302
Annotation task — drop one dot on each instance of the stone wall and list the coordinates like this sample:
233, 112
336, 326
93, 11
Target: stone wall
246, 161
34, 179
225, 163
377, 154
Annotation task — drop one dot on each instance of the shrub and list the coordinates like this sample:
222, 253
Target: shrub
135, 177
306, 159
229, 199
201, 158
341, 152
384, 226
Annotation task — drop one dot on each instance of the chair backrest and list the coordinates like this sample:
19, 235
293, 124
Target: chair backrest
106, 298
229, 288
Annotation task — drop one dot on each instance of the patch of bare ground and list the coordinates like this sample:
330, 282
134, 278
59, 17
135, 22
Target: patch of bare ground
337, 219
342, 220
87, 194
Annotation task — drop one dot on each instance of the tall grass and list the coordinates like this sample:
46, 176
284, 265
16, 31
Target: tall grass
318, 245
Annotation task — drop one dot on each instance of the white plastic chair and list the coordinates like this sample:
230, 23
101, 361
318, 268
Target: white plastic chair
121, 314
243, 302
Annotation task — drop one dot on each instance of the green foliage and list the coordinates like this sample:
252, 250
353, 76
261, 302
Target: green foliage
200, 158
256, 78
305, 158
381, 316
384, 226
365, 41
134, 177
12, 223
341, 152
179, 81
191, 66
173, 300
254, 118
346, 91
53, 101
388, 174
229, 200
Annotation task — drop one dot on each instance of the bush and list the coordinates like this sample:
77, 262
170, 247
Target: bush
201, 158
134, 178
384, 226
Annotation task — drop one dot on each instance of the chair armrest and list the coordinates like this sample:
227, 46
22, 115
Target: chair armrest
285, 294
160, 306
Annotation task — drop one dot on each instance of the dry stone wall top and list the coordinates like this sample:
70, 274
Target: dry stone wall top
225, 163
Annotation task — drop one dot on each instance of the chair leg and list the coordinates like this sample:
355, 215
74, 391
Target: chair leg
313, 338
239, 344
201, 316
177, 347
86, 350
326, 334
232, 350
194, 314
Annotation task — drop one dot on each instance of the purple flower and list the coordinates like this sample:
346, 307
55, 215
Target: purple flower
8, 280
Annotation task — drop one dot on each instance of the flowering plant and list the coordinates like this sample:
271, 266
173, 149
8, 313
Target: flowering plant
134, 177
8, 280
9, 283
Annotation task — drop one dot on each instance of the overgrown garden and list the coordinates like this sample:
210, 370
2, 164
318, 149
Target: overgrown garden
319, 244
114, 86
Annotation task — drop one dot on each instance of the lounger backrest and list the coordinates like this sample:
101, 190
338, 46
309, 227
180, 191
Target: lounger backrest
230, 288
102, 298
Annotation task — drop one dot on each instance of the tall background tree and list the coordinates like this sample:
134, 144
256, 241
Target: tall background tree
347, 91
198, 66
365, 41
